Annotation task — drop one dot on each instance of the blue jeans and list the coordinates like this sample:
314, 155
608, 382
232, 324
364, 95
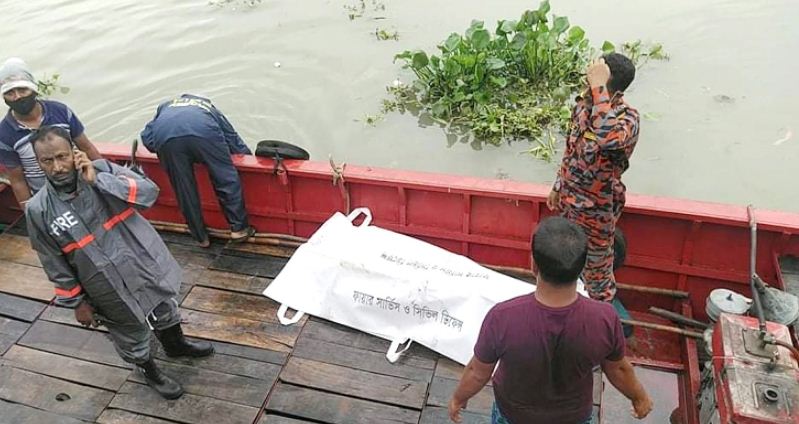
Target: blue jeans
497, 418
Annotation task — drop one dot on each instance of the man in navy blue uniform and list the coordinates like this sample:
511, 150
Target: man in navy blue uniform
189, 130
27, 113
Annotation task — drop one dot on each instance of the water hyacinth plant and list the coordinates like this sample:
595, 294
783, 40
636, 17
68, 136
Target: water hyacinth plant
514, 83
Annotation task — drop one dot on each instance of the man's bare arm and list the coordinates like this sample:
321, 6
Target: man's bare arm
622, 376
19, 185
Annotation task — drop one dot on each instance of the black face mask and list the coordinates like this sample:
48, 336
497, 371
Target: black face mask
23, 105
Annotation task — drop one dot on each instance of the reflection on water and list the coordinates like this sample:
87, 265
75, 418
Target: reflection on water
662, 387
717, 112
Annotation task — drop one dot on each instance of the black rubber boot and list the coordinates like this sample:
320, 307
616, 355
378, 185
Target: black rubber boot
162, 383
175, 344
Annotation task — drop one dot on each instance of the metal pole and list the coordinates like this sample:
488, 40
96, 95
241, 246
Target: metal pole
750, 210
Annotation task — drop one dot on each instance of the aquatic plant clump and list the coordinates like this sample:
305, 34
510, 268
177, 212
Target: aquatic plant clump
47, 86
514, 83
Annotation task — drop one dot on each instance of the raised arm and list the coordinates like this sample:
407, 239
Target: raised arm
125, 184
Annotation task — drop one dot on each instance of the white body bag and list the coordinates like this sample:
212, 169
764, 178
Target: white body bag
392, 286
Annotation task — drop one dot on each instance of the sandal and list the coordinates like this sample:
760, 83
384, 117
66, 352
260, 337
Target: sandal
250, 233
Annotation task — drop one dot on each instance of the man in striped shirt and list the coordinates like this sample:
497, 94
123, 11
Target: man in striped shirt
27, 113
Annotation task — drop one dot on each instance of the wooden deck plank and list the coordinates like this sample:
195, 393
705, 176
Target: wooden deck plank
224, 363
355, 382
10, 331
441, 390
26, 281
447, 368
17, 248
319, 329
40, 392
66, 368
439, 415
277, 419
72, 341
367, 360
119, 416
310, 404
214, 384
22, 414
188, 409
239, 330
20, 308
249, 263
234, 282
261, 249
254, 307
64, 316
249, 352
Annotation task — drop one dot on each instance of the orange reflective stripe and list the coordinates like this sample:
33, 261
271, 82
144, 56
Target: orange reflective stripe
80, 244
117, 219
68, 293
132, 190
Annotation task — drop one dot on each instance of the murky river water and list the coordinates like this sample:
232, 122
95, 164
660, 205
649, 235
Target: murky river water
121, 58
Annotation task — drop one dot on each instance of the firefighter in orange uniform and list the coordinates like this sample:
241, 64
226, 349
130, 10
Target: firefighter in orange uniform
588, 188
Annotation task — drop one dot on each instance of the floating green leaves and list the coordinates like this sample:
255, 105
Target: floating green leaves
47, 86
513, 83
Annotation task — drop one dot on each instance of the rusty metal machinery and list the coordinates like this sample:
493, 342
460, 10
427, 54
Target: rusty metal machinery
750, 379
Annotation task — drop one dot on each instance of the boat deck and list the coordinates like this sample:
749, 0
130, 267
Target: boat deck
54, 371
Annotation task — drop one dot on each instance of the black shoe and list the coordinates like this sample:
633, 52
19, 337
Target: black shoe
162, 383
175, 344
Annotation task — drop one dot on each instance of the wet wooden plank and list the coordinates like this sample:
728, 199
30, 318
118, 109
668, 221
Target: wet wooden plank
277, 419
16, 248
217, 385
447, 368
320, 329
441, 390
234, 282
354, 382
223, 302
439, 415
189, 408
261, 249
10, 331
80, 343
26, 281
66, 368
64, 316
239, 330
224, 363
22, 414
194, 255
310, 404
40, 392
256, 354
20, 308
119, 416
249, 263
366, 360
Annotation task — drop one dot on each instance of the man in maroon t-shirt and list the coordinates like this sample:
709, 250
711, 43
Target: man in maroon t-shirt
548, 343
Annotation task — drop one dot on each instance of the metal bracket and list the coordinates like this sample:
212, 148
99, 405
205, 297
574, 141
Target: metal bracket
755, 345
